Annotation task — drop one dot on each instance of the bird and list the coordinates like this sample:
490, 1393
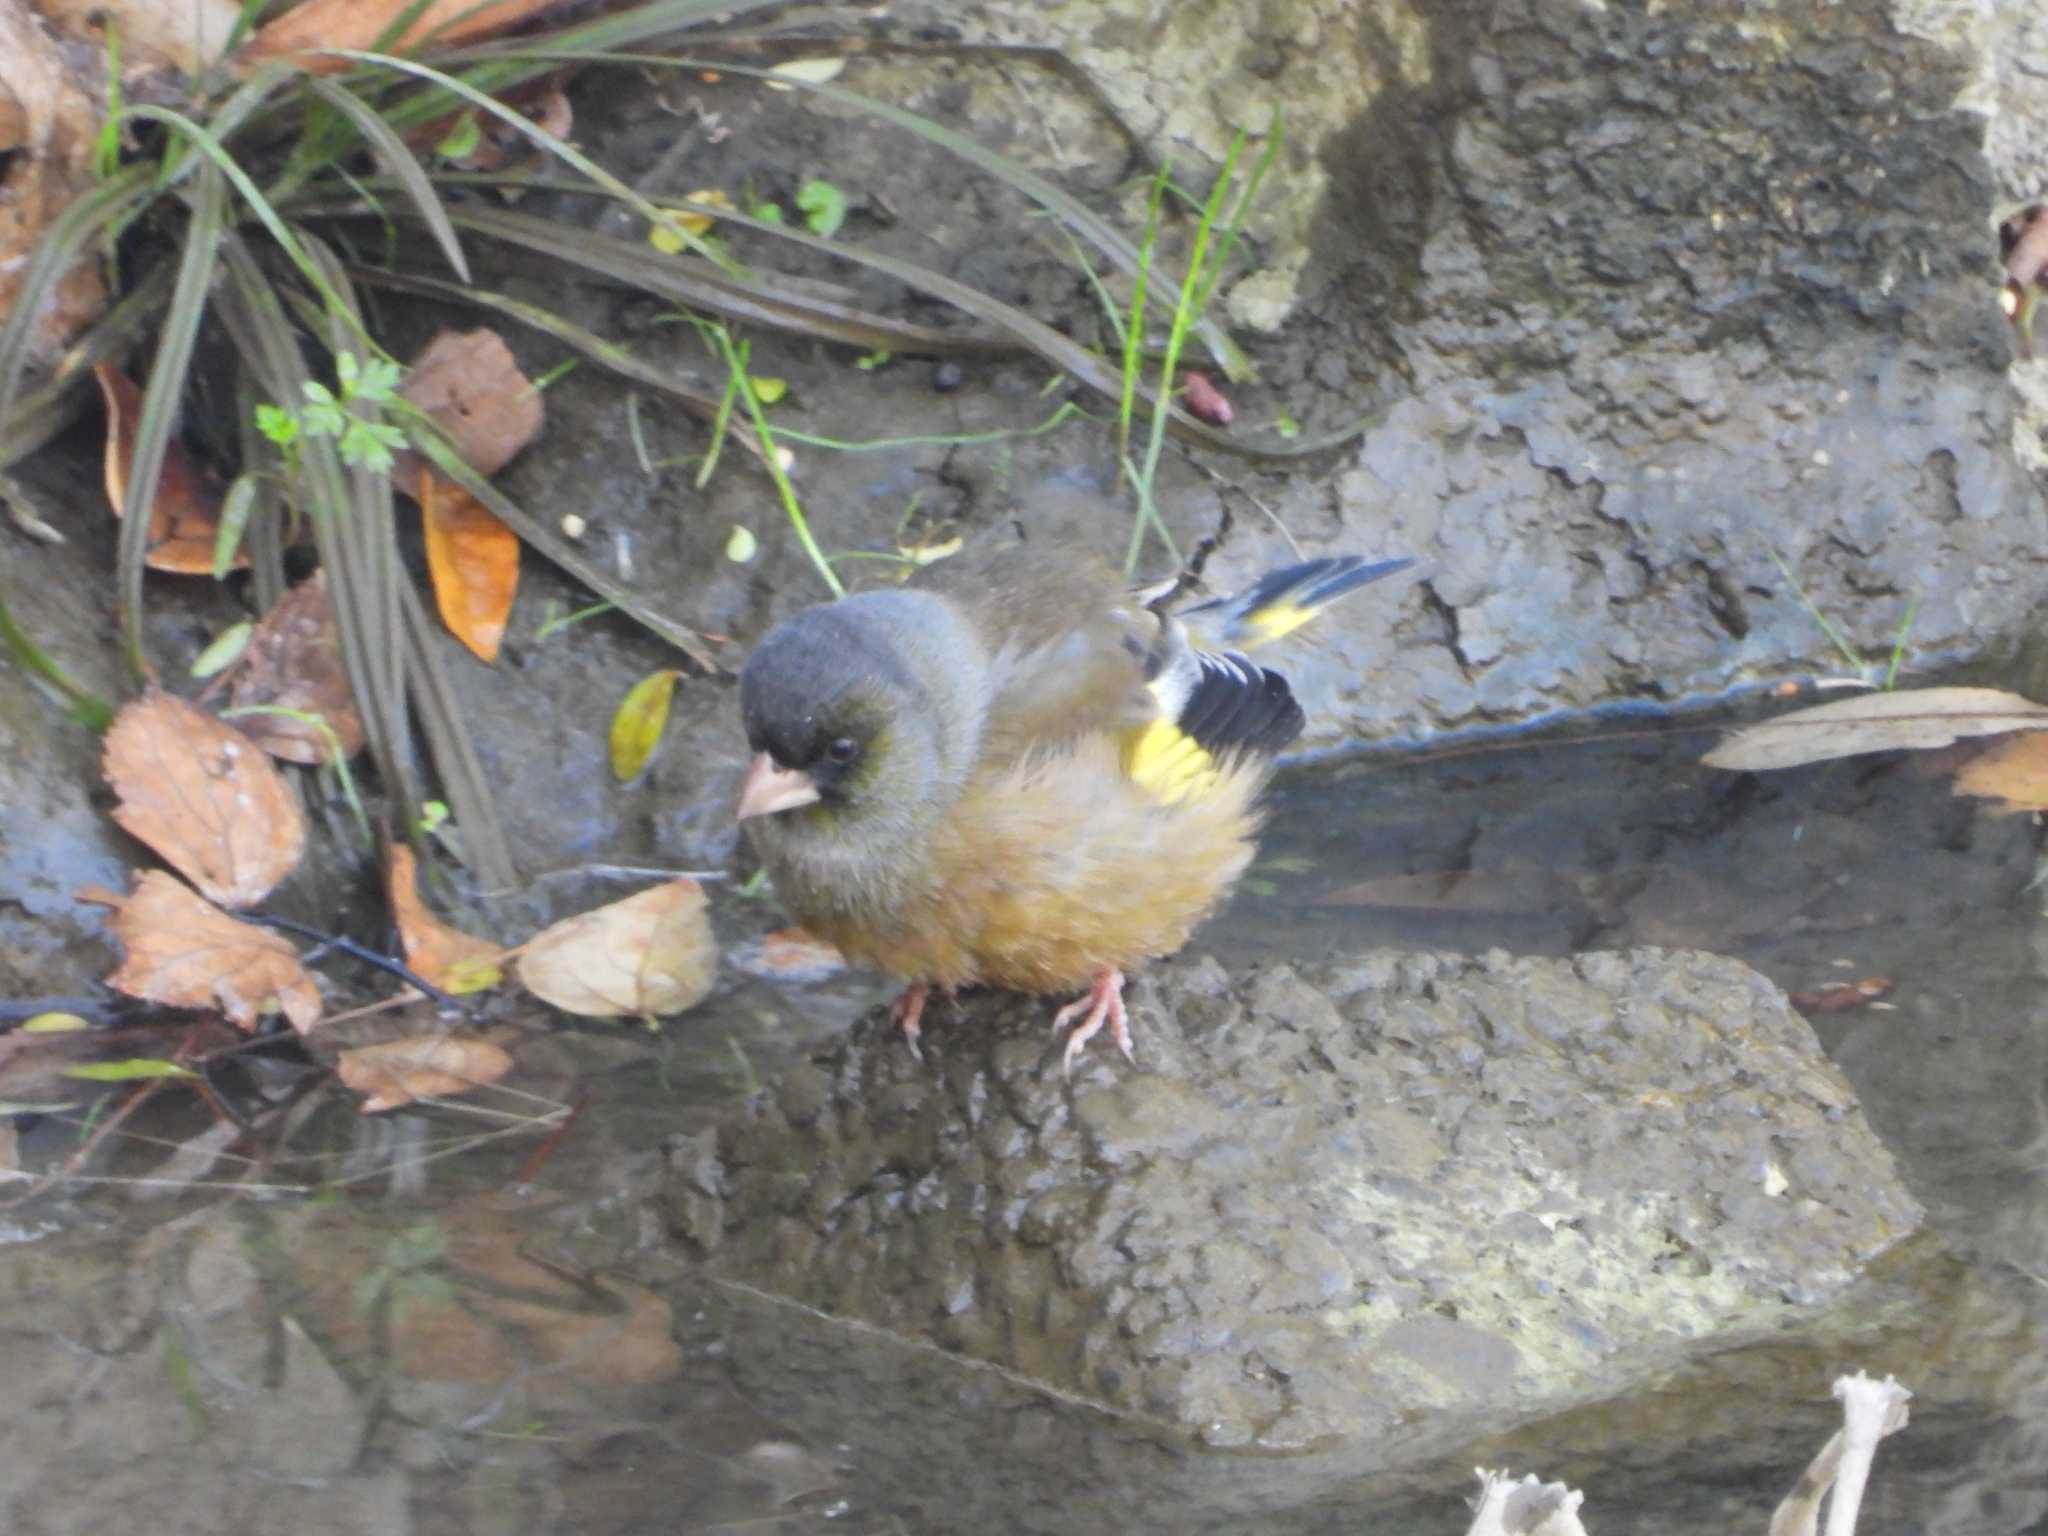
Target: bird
1015, 772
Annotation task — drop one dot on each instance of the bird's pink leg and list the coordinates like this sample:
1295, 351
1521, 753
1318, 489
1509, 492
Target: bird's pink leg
909, 1010
1104, 1004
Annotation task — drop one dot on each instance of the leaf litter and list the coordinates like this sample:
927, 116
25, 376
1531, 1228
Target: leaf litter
291, 674
649, 955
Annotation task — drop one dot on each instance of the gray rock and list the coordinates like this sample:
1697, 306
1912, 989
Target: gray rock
1327, 1200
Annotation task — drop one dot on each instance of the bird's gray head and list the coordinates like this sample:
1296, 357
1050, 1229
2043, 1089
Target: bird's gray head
867, 708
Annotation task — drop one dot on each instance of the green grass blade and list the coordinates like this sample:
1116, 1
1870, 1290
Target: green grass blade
82, 222
87, 707
391, 153
1099, 232
561, 149
44, 412
605, 354
162, 397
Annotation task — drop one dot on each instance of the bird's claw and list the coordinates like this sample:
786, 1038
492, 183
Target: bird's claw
909, 1010
1104, 1004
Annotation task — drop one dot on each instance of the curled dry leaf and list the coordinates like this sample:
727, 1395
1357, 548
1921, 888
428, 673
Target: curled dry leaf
469, 383
203, 797
1842, 996
48, 123
184, 517
293, 662
2014, 772
474, 560
1877, 722
492, 143
361, 23
649, 955
186, 953
1205, 402
452, 960
428, 1067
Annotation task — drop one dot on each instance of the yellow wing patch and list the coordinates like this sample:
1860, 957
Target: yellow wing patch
1277, 620
1167, 763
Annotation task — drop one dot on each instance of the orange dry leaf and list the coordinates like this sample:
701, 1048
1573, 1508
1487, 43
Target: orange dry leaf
2013, 772
293, 662
648, 955
426, 1067
187, 953
474, 560
452, 960
184, 517
203, 797
468, 382
48, 122
361, 23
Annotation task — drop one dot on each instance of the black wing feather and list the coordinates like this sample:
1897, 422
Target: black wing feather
1237, 705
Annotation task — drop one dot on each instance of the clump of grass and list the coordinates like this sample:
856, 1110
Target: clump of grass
232, 217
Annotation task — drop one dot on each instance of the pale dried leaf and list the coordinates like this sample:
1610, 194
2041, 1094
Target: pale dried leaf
185, 36
2013, 772
186, 953
293, 662
1915, 718
427, 1067
48, 124
649, 955
204, 797
450, 959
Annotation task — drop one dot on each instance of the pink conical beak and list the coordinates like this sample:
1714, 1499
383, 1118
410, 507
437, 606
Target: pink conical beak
768, 789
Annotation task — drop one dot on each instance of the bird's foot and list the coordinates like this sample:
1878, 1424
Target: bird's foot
1104, 1004
909, 1011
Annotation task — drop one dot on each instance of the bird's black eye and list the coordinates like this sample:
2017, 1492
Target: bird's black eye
842, 750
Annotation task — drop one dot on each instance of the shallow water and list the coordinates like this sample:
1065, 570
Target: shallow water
473, 1338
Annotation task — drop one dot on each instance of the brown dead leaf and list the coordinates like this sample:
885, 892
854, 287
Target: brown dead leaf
293, 662
184, 519
204, 797
158, 37
1917, 718
2014, 772
360, 23
469, 383
450, 959
48, 123
474, 560
427, 1067
186, 953
649, 955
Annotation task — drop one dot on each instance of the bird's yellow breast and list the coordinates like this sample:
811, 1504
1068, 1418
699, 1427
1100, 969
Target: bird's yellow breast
1048, 869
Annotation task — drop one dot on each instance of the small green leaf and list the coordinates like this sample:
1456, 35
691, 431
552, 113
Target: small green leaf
1287, 427
235, 508
768, 389
806, 71
277, 424
461, 140
741, 545
432, 814
380, 381
53, 1024
869, 362
225, 650
637, 727
767, 213
132, 1069
824, 207
347, 369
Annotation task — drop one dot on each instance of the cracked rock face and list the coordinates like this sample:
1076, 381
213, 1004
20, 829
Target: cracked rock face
1330, 1201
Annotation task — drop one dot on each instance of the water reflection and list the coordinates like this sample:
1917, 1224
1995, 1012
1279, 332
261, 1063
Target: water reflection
486, 1354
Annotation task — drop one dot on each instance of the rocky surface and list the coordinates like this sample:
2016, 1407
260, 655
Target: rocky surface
1330, 1198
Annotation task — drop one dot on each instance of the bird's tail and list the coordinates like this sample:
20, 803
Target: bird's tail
1281, 601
